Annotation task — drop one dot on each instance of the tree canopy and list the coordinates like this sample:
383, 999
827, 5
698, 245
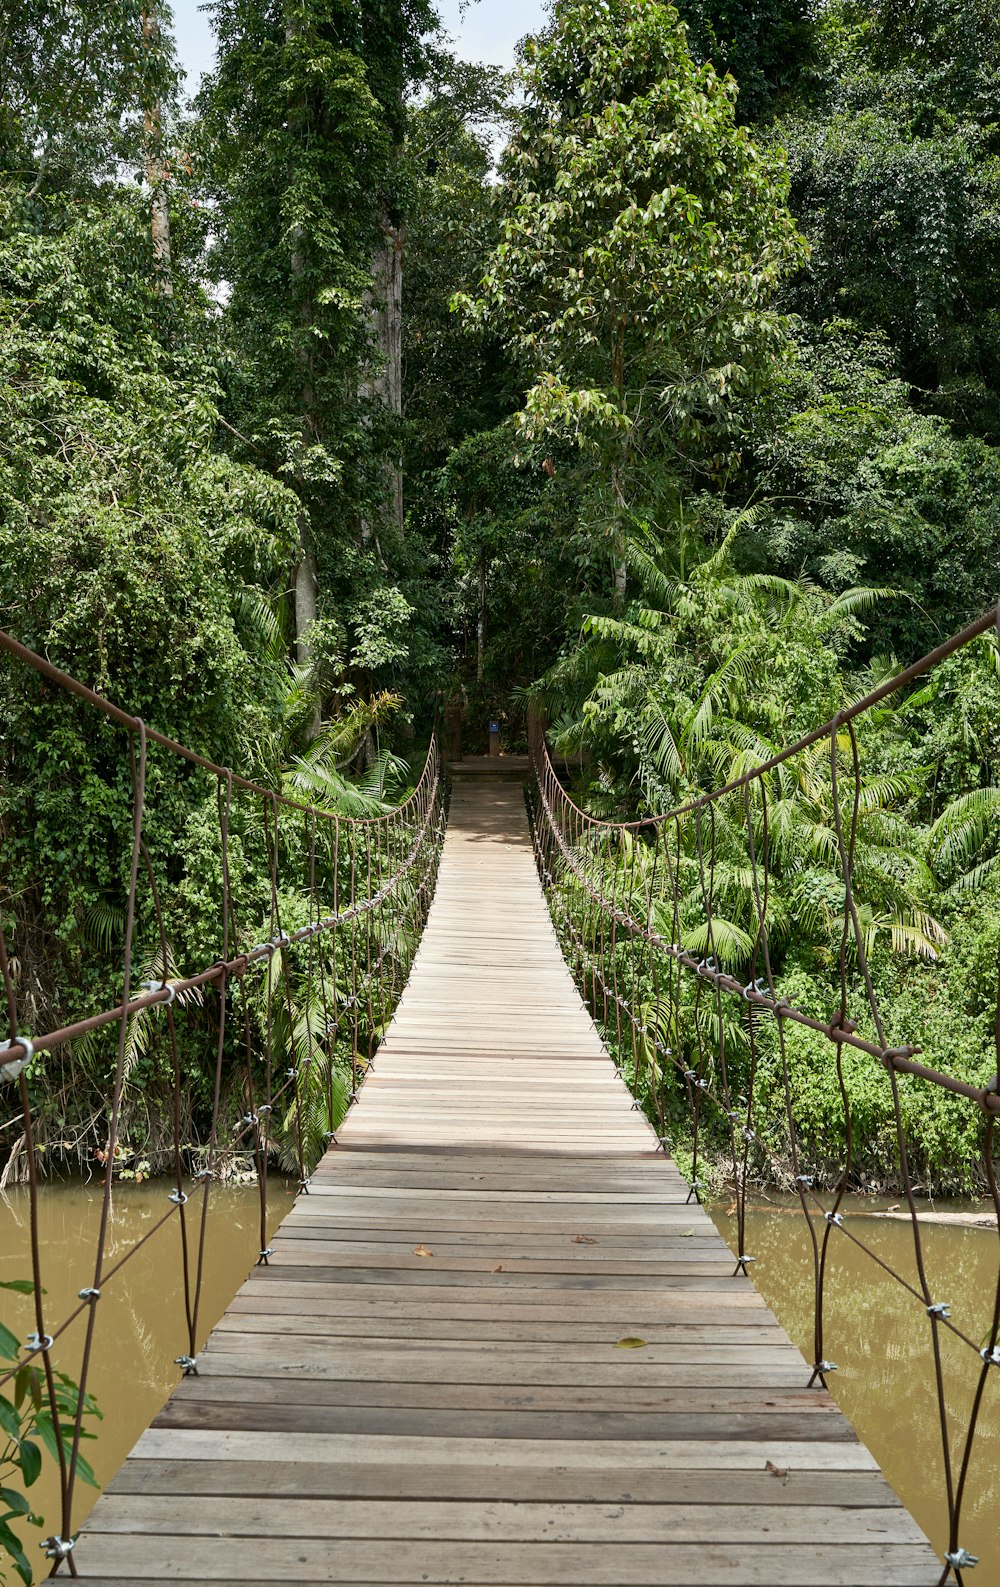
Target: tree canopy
657, 380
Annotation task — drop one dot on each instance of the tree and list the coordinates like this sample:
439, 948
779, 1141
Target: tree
896, 183
73, 79
300, 126
642, 239
862, 488
770, 47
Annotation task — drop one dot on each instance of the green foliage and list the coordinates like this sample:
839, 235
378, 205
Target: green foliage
643, 236
75, 77
29, 1432
299, 143
709, 678
863, 489
895, 182
783, 447
770, 47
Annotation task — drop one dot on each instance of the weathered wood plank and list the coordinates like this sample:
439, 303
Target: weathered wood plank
713, 1563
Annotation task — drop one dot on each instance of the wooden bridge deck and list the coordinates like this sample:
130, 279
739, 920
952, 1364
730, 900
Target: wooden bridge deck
426, 1385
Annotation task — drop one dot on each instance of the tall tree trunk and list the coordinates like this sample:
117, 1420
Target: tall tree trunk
305, 592
481, 622
386, 307
305, 580
156, 166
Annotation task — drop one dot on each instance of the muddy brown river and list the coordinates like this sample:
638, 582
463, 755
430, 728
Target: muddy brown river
140, 1326
876, 1332
880, 1338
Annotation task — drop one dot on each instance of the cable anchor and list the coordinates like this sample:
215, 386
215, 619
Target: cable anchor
57, 1547
961, 1559
16, 1067
161, 986
758, 987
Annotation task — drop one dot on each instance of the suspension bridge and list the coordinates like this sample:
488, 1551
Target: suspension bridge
498, 1339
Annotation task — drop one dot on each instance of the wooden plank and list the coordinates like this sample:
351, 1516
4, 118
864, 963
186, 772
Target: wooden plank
415, 1480
608, 1564
505, 1522
367, 1413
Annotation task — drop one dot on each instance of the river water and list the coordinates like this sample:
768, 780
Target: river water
140, 1325
876, 1332
880, 1338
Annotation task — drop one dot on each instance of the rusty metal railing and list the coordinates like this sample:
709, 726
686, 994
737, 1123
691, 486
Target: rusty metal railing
637, 905
364, 886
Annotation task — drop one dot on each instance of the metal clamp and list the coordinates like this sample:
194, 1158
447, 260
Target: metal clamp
178, 1197
823, 1367
759, 987
836, 1218
39, 1342
940, 1308
805, 1180
89, 1294
268, 1250
991, 1356
17, 1066
741, 1261
161, 986
961, 1559
189, 1364
57, 1547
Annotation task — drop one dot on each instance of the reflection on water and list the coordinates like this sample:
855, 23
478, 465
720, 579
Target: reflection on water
140, 1319
880, 1337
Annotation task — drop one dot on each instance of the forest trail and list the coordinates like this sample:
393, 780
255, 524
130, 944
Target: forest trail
495, 1344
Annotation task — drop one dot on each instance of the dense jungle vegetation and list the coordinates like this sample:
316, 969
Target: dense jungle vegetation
658, 382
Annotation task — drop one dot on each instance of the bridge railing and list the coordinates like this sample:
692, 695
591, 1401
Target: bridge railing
693, 1008
318, 919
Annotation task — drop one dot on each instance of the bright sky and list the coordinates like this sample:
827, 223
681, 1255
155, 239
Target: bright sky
488, 31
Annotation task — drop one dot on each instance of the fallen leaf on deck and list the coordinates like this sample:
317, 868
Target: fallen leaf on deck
498, 1268
777, 1471
630, 1343
584, 1239
421, 1250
